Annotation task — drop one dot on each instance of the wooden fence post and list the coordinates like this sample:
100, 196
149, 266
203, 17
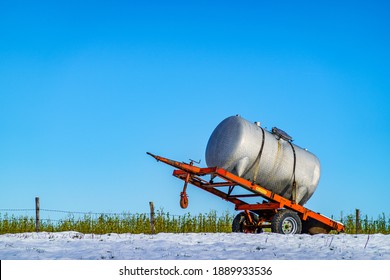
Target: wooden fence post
37, 216
357, 221
152, 227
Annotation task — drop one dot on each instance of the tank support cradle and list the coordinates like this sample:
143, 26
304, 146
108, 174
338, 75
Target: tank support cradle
221, 185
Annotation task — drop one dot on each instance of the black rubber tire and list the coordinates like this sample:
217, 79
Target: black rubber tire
239, 220
286, 222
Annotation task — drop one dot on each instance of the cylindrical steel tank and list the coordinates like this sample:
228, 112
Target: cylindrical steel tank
266, 158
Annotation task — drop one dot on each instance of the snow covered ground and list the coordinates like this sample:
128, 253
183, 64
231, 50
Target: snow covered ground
192, 246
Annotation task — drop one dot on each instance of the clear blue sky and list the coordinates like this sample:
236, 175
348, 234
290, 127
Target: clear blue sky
88, 87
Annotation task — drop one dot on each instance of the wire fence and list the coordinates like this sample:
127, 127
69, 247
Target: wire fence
42, 219
8, 210
22, 213
30, 212
14, 220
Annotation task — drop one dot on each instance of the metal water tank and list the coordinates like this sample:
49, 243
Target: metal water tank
268, 158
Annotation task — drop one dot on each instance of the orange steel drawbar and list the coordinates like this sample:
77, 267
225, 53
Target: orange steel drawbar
223, 183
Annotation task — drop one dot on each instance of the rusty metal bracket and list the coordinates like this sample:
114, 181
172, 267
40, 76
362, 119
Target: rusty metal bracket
183, 194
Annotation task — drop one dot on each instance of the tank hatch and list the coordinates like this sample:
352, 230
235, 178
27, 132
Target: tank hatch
281, 134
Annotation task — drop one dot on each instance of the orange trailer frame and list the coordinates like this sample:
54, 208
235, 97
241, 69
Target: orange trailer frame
220, 178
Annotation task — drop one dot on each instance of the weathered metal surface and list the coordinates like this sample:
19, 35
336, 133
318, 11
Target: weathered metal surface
268, 159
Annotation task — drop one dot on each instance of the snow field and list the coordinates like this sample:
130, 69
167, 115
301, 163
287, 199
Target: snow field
192, 246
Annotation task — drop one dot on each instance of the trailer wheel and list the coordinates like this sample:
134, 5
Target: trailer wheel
286, 222
240, 224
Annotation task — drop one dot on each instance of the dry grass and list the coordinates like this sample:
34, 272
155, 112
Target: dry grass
164, 222
123, 223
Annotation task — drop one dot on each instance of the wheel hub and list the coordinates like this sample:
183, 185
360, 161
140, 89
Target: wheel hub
289, 225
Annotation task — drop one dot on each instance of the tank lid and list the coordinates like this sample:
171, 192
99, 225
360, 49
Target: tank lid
281, 134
